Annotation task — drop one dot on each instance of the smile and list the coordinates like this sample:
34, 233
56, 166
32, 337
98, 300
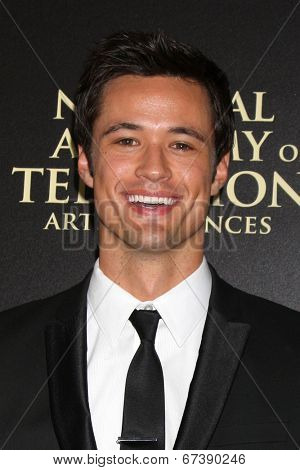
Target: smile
151, 205
168, 201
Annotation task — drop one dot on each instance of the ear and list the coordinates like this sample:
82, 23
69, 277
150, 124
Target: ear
221, 174
84, 168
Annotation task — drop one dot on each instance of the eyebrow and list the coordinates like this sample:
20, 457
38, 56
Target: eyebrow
174, 130
122, 125
188, 131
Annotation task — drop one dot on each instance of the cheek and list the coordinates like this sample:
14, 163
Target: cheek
108, 174
118, 164
198, 181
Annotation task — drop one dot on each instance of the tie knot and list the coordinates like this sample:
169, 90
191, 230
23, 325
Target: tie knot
145, 322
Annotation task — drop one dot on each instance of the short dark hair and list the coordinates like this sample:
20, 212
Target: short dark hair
150, 54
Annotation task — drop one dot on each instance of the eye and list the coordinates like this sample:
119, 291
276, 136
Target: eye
127, 141
182, 146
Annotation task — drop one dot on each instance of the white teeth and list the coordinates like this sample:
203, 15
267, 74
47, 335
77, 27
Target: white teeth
151, 200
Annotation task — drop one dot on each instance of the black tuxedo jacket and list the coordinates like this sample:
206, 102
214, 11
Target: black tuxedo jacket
245, 392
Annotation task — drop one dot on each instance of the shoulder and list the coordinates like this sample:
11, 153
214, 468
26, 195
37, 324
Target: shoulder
257, 308
50, 308
264, 316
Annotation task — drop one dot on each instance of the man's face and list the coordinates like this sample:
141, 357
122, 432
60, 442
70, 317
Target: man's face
153, 138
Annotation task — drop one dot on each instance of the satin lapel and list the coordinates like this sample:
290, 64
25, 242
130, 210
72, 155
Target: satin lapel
66, 348
221, 347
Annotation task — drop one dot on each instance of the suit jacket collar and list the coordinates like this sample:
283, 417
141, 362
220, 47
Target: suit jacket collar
221, 347
66, 354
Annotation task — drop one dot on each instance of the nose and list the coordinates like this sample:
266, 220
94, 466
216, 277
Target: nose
153, 164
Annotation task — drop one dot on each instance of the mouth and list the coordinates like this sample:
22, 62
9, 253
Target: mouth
151, 205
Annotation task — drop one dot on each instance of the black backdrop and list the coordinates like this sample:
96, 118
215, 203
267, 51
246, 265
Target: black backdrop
44, 44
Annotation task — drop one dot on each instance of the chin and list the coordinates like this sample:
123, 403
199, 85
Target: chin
155, 245
151, 245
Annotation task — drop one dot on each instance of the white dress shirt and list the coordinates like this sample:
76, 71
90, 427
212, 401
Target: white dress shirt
112, 342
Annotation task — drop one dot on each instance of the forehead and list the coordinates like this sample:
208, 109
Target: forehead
157, 97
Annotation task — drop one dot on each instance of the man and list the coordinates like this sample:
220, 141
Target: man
152, 349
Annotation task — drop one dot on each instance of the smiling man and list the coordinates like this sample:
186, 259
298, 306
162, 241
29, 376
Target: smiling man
152, 350
153, 160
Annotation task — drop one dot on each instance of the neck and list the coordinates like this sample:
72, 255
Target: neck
148, 274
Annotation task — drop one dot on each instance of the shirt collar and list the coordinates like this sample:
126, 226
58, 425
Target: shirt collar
181, 308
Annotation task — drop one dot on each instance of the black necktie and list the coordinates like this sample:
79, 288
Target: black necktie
144, 402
